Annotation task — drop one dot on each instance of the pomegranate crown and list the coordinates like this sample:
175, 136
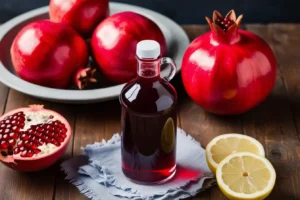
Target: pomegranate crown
227, 24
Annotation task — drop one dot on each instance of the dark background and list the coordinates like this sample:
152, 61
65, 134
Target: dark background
188, 11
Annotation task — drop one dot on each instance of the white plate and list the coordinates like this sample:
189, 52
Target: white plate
177, 42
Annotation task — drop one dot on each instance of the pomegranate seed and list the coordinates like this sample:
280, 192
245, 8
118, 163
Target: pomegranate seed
30, 131
37, 141
53, 140
11, 142
56, 130
6, 131
1, 131
27, 144
33, 146
20, 143
7, 121
61, 139
39, 129
22, 124
51, 117
63, 135
40, 142
17, 150
24, 136
55, 123
15, 117
39, 134
8, 125
56, 136
13, 135
5, 136
3, 144
16, 128
47, 139
2, 125
57, 144
24, 154
64, 130
22, 148
36, 151
33, 138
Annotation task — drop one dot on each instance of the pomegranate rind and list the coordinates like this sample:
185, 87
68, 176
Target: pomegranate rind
41, 162
84, 77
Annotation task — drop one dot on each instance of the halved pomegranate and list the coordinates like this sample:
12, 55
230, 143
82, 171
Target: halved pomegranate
33, 138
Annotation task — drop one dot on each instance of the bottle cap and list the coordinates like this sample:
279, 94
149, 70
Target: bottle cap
148, 49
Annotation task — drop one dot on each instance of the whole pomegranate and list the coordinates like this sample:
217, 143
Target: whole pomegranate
82, 15
50, 54
32, 138
227, 70
114, 44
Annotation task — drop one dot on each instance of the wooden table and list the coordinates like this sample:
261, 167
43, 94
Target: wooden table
275, 123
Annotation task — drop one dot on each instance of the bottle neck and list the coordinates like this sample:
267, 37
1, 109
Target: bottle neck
148, 68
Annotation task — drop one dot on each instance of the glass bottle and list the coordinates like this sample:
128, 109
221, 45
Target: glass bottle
149, 119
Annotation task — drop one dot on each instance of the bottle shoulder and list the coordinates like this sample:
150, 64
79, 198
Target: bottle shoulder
151, 97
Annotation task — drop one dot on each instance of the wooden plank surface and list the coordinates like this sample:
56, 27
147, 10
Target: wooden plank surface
3, 97
272, 123
276, 123
286, 44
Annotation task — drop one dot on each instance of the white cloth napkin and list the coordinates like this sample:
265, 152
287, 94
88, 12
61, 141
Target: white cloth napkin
98, 173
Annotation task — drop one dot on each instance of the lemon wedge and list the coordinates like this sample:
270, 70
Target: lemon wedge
245, 176
222, 146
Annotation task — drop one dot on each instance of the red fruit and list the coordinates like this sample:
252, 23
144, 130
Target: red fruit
23, 150
228, 70
82, 15
114, 44
49, 54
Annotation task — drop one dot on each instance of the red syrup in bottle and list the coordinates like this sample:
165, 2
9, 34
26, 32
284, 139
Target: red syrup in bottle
149, 119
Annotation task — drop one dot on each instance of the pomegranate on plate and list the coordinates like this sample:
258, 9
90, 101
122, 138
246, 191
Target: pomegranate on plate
82, 15
227, 70
51, 54
114, 44
32, 138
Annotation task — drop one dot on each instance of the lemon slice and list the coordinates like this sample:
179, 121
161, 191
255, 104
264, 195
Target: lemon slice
168, 137
246, 176
224, 145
